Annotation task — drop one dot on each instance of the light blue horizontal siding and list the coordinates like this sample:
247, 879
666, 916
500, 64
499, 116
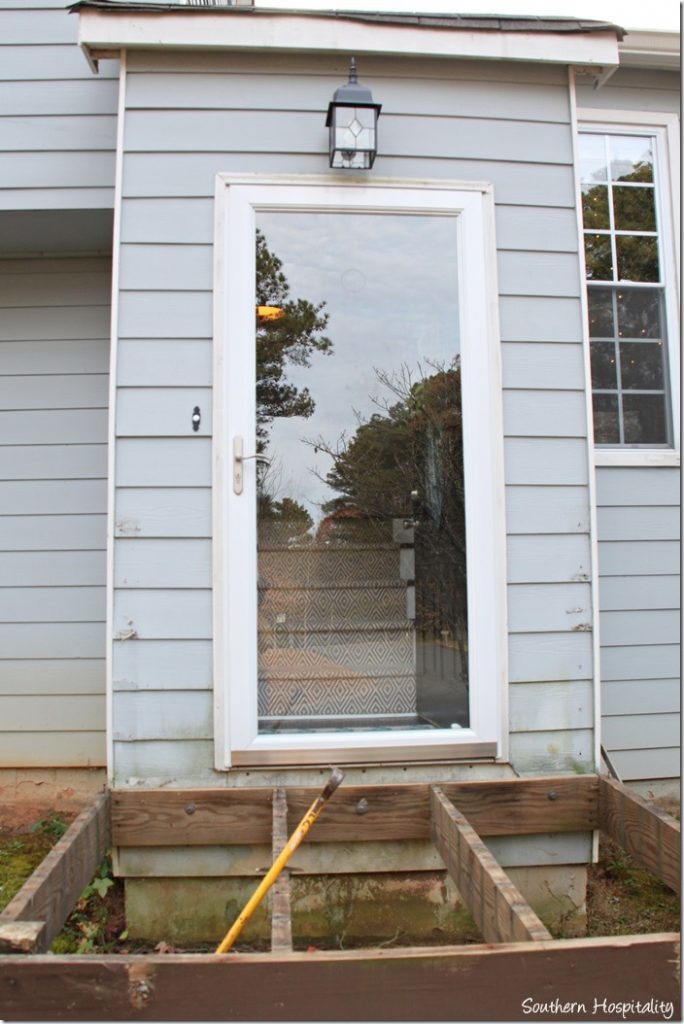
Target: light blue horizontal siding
640, 661
634, 89
164, 362
546, 657
254, 131
61, 676
429, 96
193, 174
155, 564
190, 221
190, 116
156, 412
53, 492
639, 560
640, 696
545, 366
163, 512
163, 665
57, 122
52, 568
38, 391
647, 763
640, 589
542, 509
548, 559
37, 462
441, 72
34, 497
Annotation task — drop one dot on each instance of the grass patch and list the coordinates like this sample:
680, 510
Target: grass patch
622, 899
22, 852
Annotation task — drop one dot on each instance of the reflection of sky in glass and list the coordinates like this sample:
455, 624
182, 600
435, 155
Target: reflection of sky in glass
389, 282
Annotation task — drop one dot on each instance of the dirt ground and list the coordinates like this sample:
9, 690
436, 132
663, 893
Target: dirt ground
621, 898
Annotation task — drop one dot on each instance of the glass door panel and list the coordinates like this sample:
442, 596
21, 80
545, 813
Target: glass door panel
362, 608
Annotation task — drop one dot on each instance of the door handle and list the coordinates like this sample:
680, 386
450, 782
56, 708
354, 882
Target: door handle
239, 458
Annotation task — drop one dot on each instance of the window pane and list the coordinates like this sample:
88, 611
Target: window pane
601, 313
631, 158
633, 208
361, 595
637, 258
592, 157
595, 206
645, 420
603, 365
641, 365
606, 419
638, 313
598, 257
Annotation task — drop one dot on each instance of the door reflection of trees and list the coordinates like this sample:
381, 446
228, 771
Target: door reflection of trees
397, 485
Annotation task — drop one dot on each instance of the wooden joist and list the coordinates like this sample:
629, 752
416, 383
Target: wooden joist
651, 837
37, 913
206, 817
589, 979
494, 902
281, 920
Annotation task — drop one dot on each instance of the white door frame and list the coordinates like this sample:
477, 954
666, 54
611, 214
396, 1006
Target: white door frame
237, 741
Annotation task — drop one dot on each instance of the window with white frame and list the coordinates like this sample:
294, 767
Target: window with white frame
627, 268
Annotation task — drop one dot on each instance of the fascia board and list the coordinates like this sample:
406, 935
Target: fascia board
656, 50
102, 32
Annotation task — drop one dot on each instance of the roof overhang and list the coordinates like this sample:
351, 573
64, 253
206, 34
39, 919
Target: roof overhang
105, 31
657, 50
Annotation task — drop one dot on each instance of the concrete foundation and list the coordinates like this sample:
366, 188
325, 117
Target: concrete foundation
27, 794
346, 910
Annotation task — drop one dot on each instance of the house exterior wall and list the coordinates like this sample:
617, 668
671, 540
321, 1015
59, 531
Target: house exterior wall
54, 357
639, 556
509, 124
189, 117
638, 525
57, 121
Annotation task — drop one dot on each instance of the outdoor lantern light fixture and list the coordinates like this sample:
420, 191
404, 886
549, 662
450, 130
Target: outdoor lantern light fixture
353, 124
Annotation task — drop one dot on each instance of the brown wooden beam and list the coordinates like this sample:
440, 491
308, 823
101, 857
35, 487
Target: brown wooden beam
650, 836
631, 978
51, 892
207, 817
281, 919
494, 902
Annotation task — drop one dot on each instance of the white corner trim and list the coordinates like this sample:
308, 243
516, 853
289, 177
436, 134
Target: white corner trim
591, 474
100, 32
111, 425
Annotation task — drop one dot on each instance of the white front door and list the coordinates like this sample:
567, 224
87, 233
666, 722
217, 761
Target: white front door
358, 528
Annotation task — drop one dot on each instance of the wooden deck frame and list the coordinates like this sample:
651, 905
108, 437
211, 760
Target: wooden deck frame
37, 913
521, 974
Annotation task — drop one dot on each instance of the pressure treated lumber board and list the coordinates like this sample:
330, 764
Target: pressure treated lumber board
647, 834
495, 903
281, 920
205, 817
452, 983
51, 892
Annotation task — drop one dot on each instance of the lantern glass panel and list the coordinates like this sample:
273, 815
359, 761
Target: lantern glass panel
353, 137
